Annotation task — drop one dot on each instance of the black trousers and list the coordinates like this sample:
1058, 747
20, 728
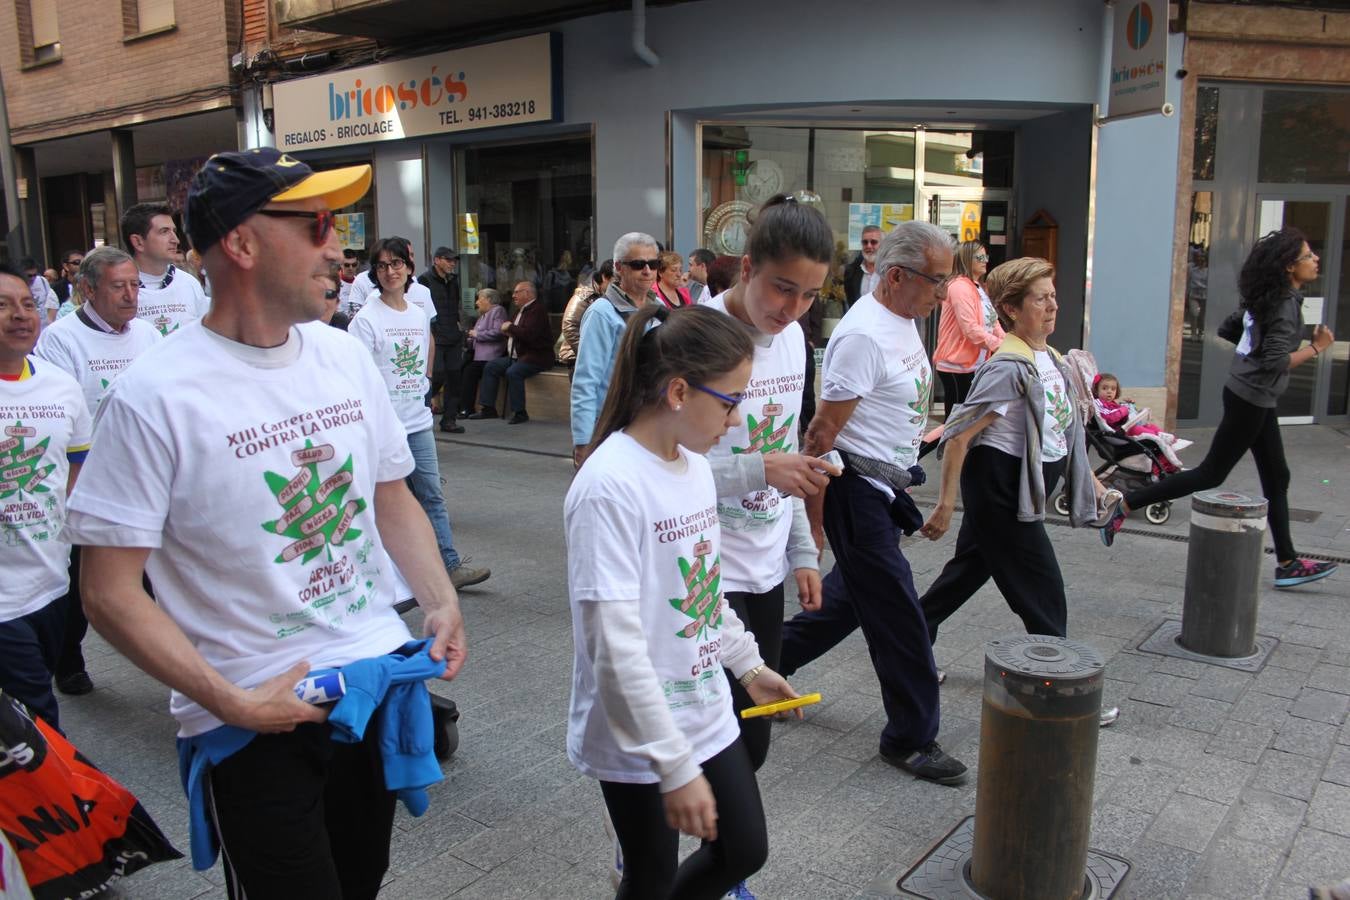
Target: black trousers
303, 816
651, 848
70, 658
468, 388
1243, 427
992, 543
29, 646
955, 387
445, 378
762, 615
872, 586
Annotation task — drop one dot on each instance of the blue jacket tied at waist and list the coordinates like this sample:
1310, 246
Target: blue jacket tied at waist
388, 688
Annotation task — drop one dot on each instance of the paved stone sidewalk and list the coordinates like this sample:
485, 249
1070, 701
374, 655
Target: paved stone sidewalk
1215, 783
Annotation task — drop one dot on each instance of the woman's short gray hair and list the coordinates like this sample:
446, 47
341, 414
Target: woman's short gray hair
909, 243
492, 294
98, 261
628, 242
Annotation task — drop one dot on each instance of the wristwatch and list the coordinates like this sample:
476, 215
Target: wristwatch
751, 675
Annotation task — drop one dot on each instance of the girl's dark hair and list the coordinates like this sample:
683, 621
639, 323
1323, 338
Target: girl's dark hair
722, 274
1104, 376
606, 270
1264, 280
783, 229
696, 343
396, 247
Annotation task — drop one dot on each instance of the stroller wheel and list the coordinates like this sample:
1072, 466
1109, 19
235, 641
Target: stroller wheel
1158, 513
1062, 503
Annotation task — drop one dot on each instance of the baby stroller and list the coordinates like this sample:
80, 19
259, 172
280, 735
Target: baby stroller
1129, 463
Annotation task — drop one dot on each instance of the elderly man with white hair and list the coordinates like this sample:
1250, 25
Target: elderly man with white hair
636, 263
876, 385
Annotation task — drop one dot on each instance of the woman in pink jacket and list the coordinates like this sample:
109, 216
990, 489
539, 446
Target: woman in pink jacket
968, 329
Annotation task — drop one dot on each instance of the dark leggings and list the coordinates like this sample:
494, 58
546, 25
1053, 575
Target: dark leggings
955, 387
651, 848
762, 615
992, 543
1243, 427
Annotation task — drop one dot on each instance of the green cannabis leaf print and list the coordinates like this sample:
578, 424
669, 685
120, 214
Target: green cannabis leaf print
406, 359
314, 515
924, 386
21, 469
763, 437
702, 601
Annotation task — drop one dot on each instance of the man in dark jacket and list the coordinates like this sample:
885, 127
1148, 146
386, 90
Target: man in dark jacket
443, 282
860, 276
529, 351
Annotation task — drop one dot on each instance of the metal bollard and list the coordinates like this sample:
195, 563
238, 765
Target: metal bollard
1223, 574
1038, 759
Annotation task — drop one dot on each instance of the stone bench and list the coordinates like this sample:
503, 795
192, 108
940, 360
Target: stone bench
548, 396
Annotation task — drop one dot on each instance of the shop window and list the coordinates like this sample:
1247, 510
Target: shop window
39, 37
1338, 398
855, 177
527, 215
1206, 133
146, 16
1197, 299
1305, 137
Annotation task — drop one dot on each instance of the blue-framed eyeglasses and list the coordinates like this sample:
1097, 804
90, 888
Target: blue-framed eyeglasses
732, 402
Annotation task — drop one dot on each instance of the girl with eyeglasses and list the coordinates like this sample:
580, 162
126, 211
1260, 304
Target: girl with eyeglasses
1267, 328
651, 713
968, 328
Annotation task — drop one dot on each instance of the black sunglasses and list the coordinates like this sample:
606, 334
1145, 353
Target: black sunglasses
323, 221
639, 264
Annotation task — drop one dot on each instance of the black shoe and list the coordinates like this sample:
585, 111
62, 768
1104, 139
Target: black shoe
451, 428
930, 763
518, 418
75, 684
444, 715
486, 412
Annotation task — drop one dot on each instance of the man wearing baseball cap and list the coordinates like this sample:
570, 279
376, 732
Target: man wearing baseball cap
269, 485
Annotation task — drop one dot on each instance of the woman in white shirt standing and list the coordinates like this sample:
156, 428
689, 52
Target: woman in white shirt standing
397, 333
760, 473
651, 713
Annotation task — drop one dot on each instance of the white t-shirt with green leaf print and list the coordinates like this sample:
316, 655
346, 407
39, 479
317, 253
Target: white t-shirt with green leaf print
878, 358
91, 356
251, 475
400, 344
44, 429
755, 526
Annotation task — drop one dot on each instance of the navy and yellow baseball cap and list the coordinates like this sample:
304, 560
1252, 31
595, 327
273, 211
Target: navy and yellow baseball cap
234, 185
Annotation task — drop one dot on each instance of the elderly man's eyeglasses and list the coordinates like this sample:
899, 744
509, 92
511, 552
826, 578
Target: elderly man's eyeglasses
637, 265
730, 401
870, 242
393, 265
323, 221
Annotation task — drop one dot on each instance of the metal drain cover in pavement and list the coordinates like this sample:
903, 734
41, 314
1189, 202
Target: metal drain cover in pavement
944, 873
1164, 642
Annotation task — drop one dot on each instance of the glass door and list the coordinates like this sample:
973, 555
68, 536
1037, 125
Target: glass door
1317, 219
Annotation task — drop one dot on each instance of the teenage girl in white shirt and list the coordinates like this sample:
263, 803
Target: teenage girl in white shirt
651, 713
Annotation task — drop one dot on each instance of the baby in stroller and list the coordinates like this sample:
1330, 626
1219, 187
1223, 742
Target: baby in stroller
1124, 417
1134, 452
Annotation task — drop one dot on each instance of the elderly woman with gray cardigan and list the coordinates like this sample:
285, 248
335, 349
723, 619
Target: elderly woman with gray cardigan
1008, 445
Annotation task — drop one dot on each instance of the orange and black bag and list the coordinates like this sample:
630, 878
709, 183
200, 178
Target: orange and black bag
73, 827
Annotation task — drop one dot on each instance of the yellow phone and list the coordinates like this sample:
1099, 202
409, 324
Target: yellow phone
769, 709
